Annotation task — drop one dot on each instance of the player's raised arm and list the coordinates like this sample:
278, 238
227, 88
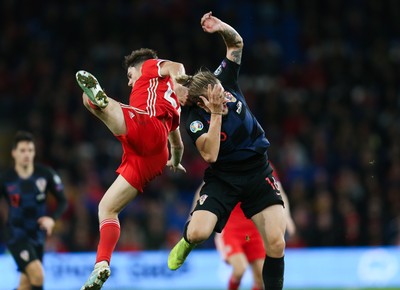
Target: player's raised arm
232, 39
174, 70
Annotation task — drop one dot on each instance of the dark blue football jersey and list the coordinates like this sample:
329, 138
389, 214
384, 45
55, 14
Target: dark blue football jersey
242, 137
26, 198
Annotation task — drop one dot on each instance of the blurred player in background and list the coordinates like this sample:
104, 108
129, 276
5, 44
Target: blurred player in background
26, 187
230, 139
241, 245
143, 127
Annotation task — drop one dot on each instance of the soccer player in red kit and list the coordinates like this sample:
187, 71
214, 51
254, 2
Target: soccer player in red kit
144, 128
241, 245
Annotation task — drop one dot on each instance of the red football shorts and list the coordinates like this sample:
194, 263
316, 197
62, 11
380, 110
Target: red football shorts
145, 147
247, 241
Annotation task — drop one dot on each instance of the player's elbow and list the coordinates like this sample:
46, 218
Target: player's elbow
239, 42
180, 68
174, 69
210, 158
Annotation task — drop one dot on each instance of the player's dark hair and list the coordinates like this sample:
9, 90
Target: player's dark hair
138, 56
21, 136
197, 84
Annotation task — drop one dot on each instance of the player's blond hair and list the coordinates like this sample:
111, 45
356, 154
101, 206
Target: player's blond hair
197, 84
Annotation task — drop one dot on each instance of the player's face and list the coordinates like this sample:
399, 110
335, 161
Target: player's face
133, 74
24, 153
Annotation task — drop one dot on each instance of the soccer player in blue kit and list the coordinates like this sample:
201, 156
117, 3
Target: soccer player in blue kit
26, 187
230, 139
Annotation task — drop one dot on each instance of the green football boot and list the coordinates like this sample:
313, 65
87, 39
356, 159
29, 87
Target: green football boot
178, 254
92, 88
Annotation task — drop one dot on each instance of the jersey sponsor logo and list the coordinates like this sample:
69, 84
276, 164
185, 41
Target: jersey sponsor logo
41, 184
202, 199
239, 106
196, 126
24, 254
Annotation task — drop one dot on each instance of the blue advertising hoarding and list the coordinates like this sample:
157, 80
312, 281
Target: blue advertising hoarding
204, 269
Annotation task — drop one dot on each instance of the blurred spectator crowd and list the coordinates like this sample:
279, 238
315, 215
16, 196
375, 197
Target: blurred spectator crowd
323, 78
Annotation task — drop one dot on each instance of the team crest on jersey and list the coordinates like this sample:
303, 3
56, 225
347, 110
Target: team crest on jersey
41, 184
196, 126
24, 254
202, 199
229, 97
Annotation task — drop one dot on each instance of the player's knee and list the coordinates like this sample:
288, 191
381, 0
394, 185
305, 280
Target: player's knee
276, 247
238, 270
36, 278
34, 273
102, 210
105, 210
197, 235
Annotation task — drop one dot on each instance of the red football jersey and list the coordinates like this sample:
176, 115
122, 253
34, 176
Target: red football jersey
154, 94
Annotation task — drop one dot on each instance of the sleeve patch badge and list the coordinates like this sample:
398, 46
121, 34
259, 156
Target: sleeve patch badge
218, 71
196, 126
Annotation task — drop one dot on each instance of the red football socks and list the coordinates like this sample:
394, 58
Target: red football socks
233, 284
109, 236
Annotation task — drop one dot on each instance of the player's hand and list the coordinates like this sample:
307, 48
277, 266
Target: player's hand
175, 168
216, 98
46, 223
210, 23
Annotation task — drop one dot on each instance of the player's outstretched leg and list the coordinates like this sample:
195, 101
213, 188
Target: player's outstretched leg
92, 88
179, 253
97, 278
